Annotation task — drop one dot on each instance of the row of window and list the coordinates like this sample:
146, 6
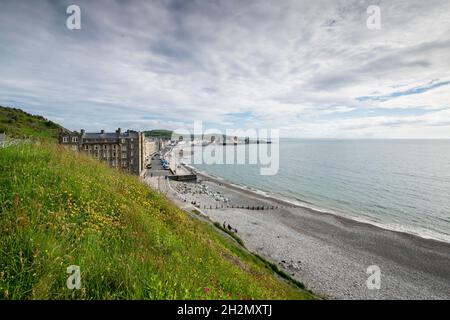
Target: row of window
114, 154
124, 164
114, 162
66, 139
75, 139
106, 140
105, 147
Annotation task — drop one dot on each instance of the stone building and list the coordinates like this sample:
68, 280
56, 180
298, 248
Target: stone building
151, 146
123, 150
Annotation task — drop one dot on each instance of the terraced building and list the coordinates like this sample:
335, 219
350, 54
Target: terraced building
124, 150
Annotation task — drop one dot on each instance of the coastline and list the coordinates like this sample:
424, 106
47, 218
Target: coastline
428, 234
329, 253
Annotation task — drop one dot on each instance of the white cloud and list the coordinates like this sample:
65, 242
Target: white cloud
299, 65
434, 99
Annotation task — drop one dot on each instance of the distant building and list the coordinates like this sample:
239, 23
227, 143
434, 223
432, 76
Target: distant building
124, 150
150, 146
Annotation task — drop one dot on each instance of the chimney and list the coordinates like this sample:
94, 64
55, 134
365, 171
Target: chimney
82, 131
119, 131
102, 131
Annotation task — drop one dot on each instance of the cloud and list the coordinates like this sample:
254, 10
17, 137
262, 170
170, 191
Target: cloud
309, 68
412, 91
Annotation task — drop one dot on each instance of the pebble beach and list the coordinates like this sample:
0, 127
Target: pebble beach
328, 253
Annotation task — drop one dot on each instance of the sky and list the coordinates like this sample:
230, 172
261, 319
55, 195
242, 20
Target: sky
312, 69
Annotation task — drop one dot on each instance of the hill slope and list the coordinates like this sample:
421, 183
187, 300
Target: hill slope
60, 208
161, 133
17, 123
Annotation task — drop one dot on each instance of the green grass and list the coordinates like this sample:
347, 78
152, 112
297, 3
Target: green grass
18, 124
60, 208
269, 265
230, 233
167, 134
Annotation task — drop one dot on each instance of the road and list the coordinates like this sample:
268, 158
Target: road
157, 169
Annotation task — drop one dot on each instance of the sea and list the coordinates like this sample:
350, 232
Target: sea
401, 185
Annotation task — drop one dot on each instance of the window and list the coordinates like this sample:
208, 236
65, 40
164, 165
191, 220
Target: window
124, 155
131, 161
96, 147
65, 139
86, 147
124, 148
131, 154
114, 147
122, 140
74, 139
114, 154
131, 146
74, 148
124, 164
105, 146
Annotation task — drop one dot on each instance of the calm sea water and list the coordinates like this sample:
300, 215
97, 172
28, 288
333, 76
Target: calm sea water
401, 185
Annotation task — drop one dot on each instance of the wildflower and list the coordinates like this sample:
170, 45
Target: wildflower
207, 289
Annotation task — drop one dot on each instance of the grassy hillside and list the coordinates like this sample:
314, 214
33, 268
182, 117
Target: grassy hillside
17, 123
60, 208
159, 133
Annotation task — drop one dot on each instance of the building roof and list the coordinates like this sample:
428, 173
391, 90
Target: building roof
111, 135
105, 135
